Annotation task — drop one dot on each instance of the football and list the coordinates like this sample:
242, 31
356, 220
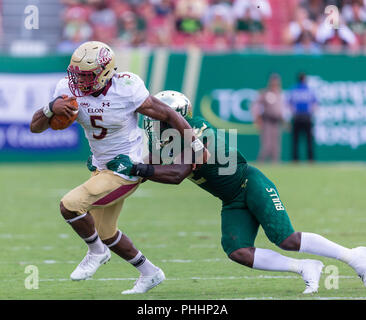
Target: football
60, 122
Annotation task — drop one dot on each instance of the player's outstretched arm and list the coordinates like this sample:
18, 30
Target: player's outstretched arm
171, 173
60, 105
154, 108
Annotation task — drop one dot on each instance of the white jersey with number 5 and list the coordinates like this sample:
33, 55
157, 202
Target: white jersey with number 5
109, 120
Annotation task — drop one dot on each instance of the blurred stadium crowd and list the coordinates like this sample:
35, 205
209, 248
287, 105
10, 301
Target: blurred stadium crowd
214, 25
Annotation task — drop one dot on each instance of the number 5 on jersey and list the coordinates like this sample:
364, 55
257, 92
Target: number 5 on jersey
103, 131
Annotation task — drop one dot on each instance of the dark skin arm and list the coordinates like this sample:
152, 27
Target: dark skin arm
170, 173
39, 122
61, 106
154, 108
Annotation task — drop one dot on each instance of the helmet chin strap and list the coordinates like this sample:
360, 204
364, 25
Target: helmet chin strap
98, 93
103, 90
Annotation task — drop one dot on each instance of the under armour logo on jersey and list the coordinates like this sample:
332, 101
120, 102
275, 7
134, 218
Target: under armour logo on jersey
106, 104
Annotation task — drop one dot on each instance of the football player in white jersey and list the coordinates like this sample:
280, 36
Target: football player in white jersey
108, 105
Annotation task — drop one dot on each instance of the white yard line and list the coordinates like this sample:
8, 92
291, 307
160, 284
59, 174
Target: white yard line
196, 278
14, 236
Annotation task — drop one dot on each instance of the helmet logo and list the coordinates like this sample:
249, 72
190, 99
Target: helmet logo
104, 56
182, 110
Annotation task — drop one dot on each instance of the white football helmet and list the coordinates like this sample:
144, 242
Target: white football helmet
92, 65
175, 100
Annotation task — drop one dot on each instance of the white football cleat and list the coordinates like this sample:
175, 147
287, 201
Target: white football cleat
90, 264
145, 283
311, 271
358, 262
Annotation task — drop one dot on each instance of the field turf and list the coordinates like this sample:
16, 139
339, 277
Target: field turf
178, 229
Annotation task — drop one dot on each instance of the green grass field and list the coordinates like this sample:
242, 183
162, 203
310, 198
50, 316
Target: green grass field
178, 229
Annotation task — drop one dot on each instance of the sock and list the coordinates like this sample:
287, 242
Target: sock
316, 244
141, 263
265, 259
95, 244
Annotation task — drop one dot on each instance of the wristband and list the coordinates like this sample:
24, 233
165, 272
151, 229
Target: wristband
197, 145
53, 101
142, 170
47, 111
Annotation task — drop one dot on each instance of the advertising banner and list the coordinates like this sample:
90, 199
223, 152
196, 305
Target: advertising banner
222, 88
20, 96
227, 85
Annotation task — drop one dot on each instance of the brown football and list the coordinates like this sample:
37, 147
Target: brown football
60, 122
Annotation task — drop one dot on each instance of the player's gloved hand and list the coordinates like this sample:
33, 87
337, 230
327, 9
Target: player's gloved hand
89, 164
121, 164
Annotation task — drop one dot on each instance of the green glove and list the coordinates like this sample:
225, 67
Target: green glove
121, 164
89, 164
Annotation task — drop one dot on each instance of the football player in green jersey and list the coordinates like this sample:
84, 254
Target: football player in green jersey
249, 200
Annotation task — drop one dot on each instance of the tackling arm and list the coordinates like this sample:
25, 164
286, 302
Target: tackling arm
154, 108
170, 174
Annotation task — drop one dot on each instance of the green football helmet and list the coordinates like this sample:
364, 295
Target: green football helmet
175, 100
